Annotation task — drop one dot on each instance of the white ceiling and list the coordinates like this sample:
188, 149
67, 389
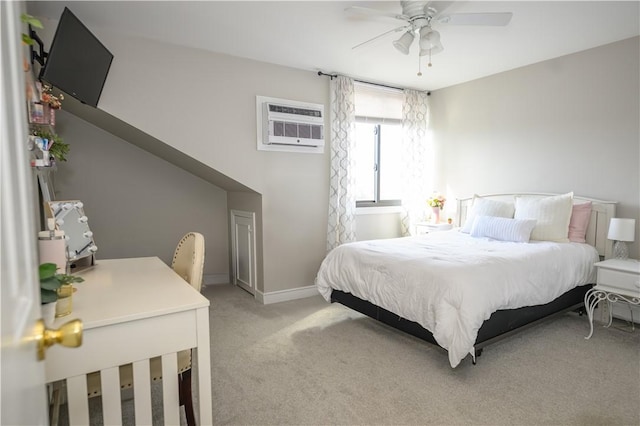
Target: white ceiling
319, 35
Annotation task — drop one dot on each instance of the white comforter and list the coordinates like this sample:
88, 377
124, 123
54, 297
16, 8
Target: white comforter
450, 283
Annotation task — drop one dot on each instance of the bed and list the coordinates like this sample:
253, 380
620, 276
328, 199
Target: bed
514, 260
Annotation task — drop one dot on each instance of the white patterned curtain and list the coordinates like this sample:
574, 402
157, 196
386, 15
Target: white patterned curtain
342, 199
415, 122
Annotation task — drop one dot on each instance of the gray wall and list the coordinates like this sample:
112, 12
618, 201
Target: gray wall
203, 104
371, 226
567, 124
137, 204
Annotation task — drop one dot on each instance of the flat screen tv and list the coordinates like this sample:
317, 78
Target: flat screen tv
77, 62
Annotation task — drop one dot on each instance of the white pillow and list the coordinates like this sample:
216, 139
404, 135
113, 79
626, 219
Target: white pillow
552, 214
486, 207
503, 229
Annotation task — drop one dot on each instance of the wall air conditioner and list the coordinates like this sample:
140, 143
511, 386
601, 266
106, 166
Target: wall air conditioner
293, 125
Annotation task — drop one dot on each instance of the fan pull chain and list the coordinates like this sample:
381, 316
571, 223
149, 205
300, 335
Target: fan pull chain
429, 64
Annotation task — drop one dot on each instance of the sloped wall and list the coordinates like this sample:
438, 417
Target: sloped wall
139, 205
203, 104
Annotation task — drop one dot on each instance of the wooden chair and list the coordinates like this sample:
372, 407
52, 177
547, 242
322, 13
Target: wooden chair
188, 262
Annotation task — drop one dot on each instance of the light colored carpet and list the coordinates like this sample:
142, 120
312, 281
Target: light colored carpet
308, 362
311, 362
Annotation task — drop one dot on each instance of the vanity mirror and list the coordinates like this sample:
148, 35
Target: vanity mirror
69, 217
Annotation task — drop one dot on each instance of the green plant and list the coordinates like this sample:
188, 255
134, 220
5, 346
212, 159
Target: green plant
51, 282
59, 149
34, 22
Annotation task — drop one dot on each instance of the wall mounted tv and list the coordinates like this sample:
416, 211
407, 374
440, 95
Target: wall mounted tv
77, 62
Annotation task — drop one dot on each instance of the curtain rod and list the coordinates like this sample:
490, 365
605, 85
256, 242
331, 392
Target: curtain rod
332, 76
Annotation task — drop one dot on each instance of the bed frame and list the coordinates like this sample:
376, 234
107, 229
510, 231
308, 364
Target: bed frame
503, 323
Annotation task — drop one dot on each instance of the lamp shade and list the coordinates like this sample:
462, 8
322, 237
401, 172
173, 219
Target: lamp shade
429, 38
404, 43
433, 50
622, 229
429, 42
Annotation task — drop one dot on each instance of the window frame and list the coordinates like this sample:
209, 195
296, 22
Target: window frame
377, 202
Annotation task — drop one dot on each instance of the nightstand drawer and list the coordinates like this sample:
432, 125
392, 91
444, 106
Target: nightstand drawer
623, 281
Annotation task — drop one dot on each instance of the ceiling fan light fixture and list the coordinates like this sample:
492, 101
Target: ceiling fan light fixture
404, 43
430, 42
434, 50
429, 37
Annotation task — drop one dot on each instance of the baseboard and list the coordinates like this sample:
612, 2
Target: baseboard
211, 279
623, 311
285, 295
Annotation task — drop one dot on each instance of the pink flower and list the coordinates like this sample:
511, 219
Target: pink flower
436, 200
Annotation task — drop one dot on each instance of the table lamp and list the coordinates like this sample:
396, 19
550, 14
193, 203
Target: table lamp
621, 230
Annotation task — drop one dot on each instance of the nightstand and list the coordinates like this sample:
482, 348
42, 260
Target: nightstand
618, 281
423, 228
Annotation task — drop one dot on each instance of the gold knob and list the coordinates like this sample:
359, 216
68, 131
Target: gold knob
69, 335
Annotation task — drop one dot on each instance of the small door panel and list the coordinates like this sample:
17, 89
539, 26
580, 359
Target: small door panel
243, 249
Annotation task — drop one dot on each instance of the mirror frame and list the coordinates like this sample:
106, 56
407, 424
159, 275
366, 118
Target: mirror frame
69, 217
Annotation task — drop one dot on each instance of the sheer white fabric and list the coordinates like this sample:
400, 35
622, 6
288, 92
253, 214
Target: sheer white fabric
416, 185
342, 199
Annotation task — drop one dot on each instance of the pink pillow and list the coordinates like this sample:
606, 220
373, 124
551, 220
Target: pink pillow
580, 216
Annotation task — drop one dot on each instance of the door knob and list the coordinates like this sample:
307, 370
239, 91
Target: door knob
69, 335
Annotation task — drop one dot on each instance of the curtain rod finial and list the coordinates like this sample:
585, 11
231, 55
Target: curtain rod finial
331, 76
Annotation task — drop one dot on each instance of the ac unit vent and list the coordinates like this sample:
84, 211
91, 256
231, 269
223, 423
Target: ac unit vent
294, 110
296, 130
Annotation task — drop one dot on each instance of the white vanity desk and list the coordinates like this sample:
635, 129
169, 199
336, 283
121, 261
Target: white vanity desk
133, 310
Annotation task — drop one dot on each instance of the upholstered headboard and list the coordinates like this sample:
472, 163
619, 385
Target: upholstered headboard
601, 214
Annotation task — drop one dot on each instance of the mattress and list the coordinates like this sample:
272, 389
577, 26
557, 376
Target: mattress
450, 283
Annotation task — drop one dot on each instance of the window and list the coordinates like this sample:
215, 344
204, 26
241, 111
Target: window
378, 165
377, 157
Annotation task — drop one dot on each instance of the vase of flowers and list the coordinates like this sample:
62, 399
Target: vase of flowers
436, 202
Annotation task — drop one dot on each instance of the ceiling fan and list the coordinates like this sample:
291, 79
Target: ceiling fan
419, 16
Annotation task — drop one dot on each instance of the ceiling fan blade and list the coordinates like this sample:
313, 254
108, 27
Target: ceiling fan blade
488, 19
435, 8
401, 28
366, 11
